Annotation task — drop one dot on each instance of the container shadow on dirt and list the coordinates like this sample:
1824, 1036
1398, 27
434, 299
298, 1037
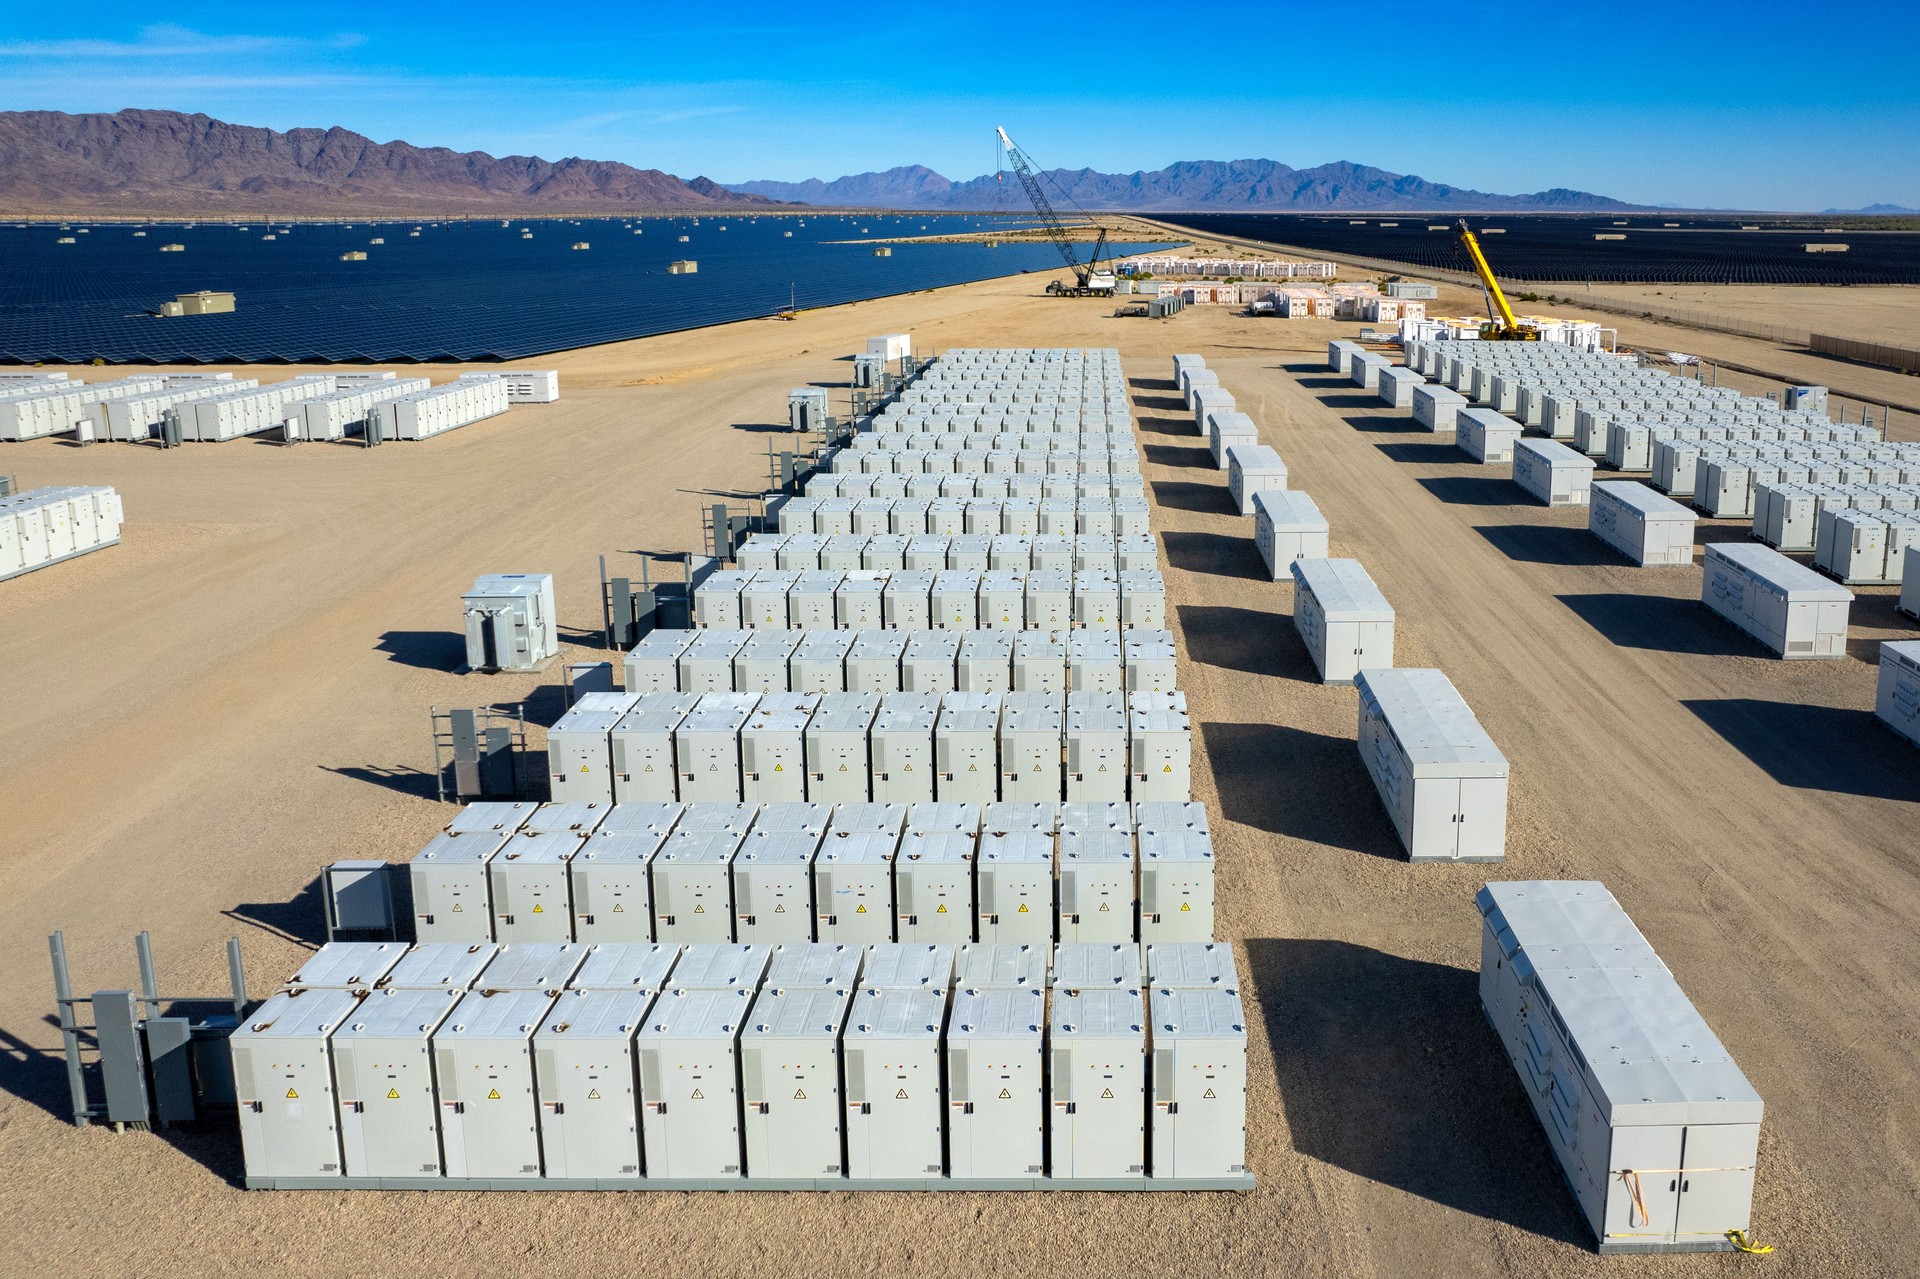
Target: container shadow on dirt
764, 428
1826, 748
1304, 785
1216, 553
1165, 425
1326, 381
1660, 624
426, 650
1389, 1071
1356, 400
1473, 490
1245, 639
1160, 403
1548, 544
1179, 455
1306, 370
302, 919
1384, 424
1192, 495
1424, 452
38, 1076
404, 780
1707, 532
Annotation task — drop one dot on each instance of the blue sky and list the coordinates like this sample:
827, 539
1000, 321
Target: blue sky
1755, 105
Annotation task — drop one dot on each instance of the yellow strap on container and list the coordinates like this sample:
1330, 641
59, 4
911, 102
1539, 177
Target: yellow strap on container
1738, 1238
1631, 1180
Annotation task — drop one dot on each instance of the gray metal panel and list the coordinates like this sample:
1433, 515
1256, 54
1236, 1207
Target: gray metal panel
440, 965
814, 965
1437, 732
986, 965
533, 966
346, 965
586, 1081
1192, 966
908, 966
1089, 965
283, 1080
721, 966
625, 966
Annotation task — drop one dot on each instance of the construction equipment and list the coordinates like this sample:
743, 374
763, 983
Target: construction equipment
1091, 280
1502, 325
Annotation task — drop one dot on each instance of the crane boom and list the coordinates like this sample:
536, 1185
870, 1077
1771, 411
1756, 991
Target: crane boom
1089, 278
1504, 323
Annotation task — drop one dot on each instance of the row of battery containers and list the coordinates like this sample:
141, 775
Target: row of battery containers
918, 661
1787, 513
970, 551
924, 599
421, 414
47, 525
1120, 442
137, 417
32, 407
966, 486
332, 417
1790, 609
853, 873
965, 747
1119, 459
1724, 480
1654, 1126
792, 1067
1068, 515
1067, 419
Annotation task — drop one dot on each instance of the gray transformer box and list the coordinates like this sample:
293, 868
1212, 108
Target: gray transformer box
383, 1061
929, 662
642, 749
773, 886
762, 664
838, 764
612, 887
1031, 727
451, 900
966, 748
933, 886
584, 1073
1199, 1116
528, 882
1095, 742
692, 882
1016, 887
579, 759
873, 661
1097, 886
706, 747
790, 1083
984, 661
1098, 1084
995, 1067
1176, 886
902, 748
653, 665
853, 887
483, 1066
509, 622
891, 1051
689, 1052
283, 1077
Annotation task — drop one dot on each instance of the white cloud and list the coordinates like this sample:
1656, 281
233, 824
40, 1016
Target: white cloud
167, 41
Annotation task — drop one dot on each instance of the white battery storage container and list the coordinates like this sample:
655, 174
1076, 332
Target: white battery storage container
839, 765
452, 901
1441, 778
527, 881
773, 886
1229, 429
692, 880
716, 601
1031, 754
819, 662
1143, 599
584, 1074
995, 1073
1552, 472
1176, 886
1437, 407
891, 1059
688, 1050
1789, 608
1096, 661
653, 665
966, 748
1159, 748
1897, 699
1342, 618
1655, 1128
707, 664
1015, 885
902, 748
1253, 469
1396, 385
873, 661
1486, 436
383, 1065
484, 1076
928, 662
1651, 530
853, 887
284, 1081
1198, 1119
1287, 526
641, 748
790, 1083
1097, 886
1039, 662
933, 886
1207, 965
1097, 1084
773, 748
1094, 737
706, 747
611, 884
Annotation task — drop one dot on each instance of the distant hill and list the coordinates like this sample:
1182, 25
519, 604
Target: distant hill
1188, 185
162, 161
1875, 208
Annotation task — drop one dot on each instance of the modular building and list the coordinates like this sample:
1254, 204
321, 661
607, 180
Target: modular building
1441, 778
1287, 526
1655, 1129
1552, 472
1342, 618
1652, 530
1789, 608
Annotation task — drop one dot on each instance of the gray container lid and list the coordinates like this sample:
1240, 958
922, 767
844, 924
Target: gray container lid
1289, 510
1196, 1014
475, 848
767, 646
299, 1014
1098, 1014
937, 644
1089, 965
906, 710
720, 712
798, 1014
1788, 577
783, 710
1344, 589
1001, 1012
1554, 453
492, 815
1432, 722
545, 965
1487, 419
1096, 816
716, 815
864, 817
1255, 459
979, 965
896, 1014
1166, 847
656, 712
602, 1015
720, 966
778, 848
506, 1014
696, 1014
557, 848
580, 819
883, 644
1103, 845
814, 965
344, 965
858, 848
944, 816
823, 646
845, 712
636, 965
700, 847
626, 848
1651, 504
581, 720
1192, 965
936, 847
434, 965
908, 966
1162, 815
399, 1014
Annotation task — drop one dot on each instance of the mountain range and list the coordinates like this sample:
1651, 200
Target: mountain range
167, 161
1189, 185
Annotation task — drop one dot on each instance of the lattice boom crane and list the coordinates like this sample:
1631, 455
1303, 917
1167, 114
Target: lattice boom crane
1091, 279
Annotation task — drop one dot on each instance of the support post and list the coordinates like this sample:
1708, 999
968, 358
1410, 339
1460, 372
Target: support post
69, 1031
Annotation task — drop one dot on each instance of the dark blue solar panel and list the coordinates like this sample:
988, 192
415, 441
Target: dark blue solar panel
459, 291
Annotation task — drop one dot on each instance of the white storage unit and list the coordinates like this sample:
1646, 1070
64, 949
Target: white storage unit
891, 346
1199, 1113
1094, 739
688, 1049
1651, 530
1159, 747
1897, 702
1342, 618
1038, 661
716, 601
906, 600
528, 883
859, 603
1143, 600
1096, 601
1552, 472
892, 1066
283, 1079
1340, 355
928, 663
584, 1073
483, 1075
995, 1069
873, 661
1097, 886
692, 883
853, 886
640, 746
1096, 659
510, 623
1176, 886
838, 763
610, 879
1014, 874
1441, 778
45, 526
1229, 429
933, 886
1049, 600
1149, 661
773, 748
966, 748
383, 1068
1031, 733
1287, 526
653, 665
902, 748
451, 900
1396, 386
763, 601
706, 747
523, 386
1792, 610
1437, 407
790, 1082
819, 662
1253, 469
1098, 1084
773, 885
422, 414
1486, 436
1655, 1128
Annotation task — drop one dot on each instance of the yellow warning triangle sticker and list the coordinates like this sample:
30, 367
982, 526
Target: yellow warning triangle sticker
973, 768
942, 910
778, 768
699, 910
292, 1095
698, 1095
393, 1094
799, 1094
1166, 768
1208, 1094
901, 1095
843, 768
1107, 1095
1023, 908
1005, 1095
1104, 908
583, 768
1185, 906
649, 768
618, 909
593, 1094
860, 909
780, 909
539, 909
493, 1094
457, 908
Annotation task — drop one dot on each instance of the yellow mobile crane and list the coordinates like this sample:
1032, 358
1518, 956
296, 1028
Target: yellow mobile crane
1501, 325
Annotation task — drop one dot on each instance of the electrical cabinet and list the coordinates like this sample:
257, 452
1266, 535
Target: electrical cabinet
610, 880
1040, 661
1053, 553
902, 748
527, 881
891, 1061
859, 603
1143, 599
1096, 885
1049, 600
773, 886
1287, 526
653, 665
954, 600
706, 747
579, 762
1015, 882
1148, 660
641, 748
1342, 618
773, 748
1441, 778
929, 661
1031, 728
1003, 599
838, 764
1095, 661
451, 901
509, 622
1176, 886
1095, 743
1096, 600
763, 601
853, 886
933, 886
283, 1080
706, 666
383, 1065
1159, 747
873, 661
689, 1054
1097, 1083
995, 1072
1198, 1122
691, 886
966, 748
790, 1082
483, 1072
906, 600
819, 662
983, 663
584, 1076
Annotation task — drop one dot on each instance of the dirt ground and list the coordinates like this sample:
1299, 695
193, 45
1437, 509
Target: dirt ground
206, 714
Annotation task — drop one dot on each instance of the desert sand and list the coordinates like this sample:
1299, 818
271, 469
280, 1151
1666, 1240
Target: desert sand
203, 716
